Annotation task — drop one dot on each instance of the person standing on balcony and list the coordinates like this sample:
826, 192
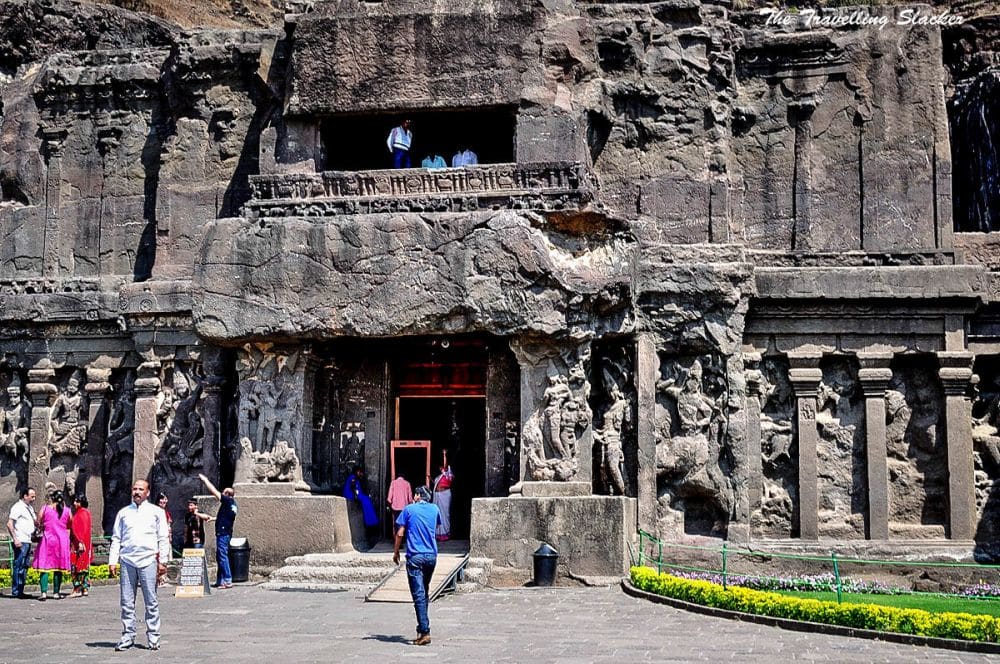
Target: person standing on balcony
464, 157
399, 144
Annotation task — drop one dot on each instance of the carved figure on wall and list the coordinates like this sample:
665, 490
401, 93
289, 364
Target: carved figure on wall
271, 415
986, 455
609, 437
121, 423
779, 465
916, 461
688, 461
249, 407
15, 422
558, 426
352, 447
511, 448
68, 436
556, 395
898, 415
180, 449
840, 451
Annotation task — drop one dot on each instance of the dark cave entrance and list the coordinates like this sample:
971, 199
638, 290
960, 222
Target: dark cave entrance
356, 142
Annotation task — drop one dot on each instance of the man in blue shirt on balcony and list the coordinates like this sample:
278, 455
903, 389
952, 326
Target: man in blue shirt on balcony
399, 144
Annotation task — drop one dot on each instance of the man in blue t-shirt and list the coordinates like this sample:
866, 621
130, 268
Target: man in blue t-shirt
416, 524
224, 521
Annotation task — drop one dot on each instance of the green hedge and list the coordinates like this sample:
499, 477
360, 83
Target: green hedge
97, 572
963, 626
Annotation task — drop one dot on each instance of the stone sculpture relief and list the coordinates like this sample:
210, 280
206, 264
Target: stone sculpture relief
279, 465
917, 460
552, 433
779, 460
15, 423
840, 449
68, 435
986, 451
181, 431
119, 447
609, 440
691, 482
265, 414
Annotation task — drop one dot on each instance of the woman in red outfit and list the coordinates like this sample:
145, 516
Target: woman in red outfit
81, 549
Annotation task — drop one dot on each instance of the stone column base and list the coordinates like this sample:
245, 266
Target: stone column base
279, 526
591, 533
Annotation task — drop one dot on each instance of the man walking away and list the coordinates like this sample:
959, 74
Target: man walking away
399, 144
140, 543
21, 526
416, 525
224, 521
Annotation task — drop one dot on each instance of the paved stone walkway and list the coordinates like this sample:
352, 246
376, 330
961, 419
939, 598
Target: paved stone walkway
248, 624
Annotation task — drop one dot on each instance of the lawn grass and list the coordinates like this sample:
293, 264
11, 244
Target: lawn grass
927, 602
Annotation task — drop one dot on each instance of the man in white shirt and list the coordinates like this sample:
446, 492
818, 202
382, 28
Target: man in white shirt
399, 142
139, 541
21, 525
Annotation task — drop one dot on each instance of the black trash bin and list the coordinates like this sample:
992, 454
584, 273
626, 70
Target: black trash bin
546, 559
239, 559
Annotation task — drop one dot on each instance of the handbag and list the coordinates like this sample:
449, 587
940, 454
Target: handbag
36, 536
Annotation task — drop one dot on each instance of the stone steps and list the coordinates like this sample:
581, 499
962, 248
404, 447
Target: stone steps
331, 572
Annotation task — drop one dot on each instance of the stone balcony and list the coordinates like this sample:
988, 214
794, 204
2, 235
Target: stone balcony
539, 186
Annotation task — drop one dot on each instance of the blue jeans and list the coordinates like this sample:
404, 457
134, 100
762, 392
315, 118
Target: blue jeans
419, 569
225, 575
400, 158
20, 572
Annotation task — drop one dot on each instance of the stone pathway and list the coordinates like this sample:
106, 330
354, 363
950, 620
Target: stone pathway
248, 624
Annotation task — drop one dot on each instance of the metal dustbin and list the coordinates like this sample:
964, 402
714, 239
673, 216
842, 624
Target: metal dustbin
546, 560
239, 559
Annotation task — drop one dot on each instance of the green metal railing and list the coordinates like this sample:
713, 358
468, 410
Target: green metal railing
727, 565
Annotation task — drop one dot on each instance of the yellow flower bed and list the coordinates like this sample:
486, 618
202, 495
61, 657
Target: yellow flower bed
963, 626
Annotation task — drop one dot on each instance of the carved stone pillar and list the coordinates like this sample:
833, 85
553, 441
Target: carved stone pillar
97, 426
145, 436
211, 412
41, 390
311, 366
956, 379
646, 374
556, 421
755, 468
805, 375
874, 376
53, 140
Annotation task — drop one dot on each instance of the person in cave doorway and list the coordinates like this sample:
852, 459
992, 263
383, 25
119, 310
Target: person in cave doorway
354, 490
442, 498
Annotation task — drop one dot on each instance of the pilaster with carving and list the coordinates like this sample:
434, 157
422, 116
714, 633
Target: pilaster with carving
41, 390
145, 436
805, 376
97, 388
874, 376
957, 380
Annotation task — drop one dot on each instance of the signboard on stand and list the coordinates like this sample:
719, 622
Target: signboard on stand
194, 575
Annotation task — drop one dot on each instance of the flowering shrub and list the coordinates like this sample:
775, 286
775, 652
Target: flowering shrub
97, 572
981, 590
862, 616
810, 583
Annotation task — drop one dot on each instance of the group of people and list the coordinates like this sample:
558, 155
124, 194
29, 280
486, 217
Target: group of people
140, 548
401, 494
401, 139
62, 543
